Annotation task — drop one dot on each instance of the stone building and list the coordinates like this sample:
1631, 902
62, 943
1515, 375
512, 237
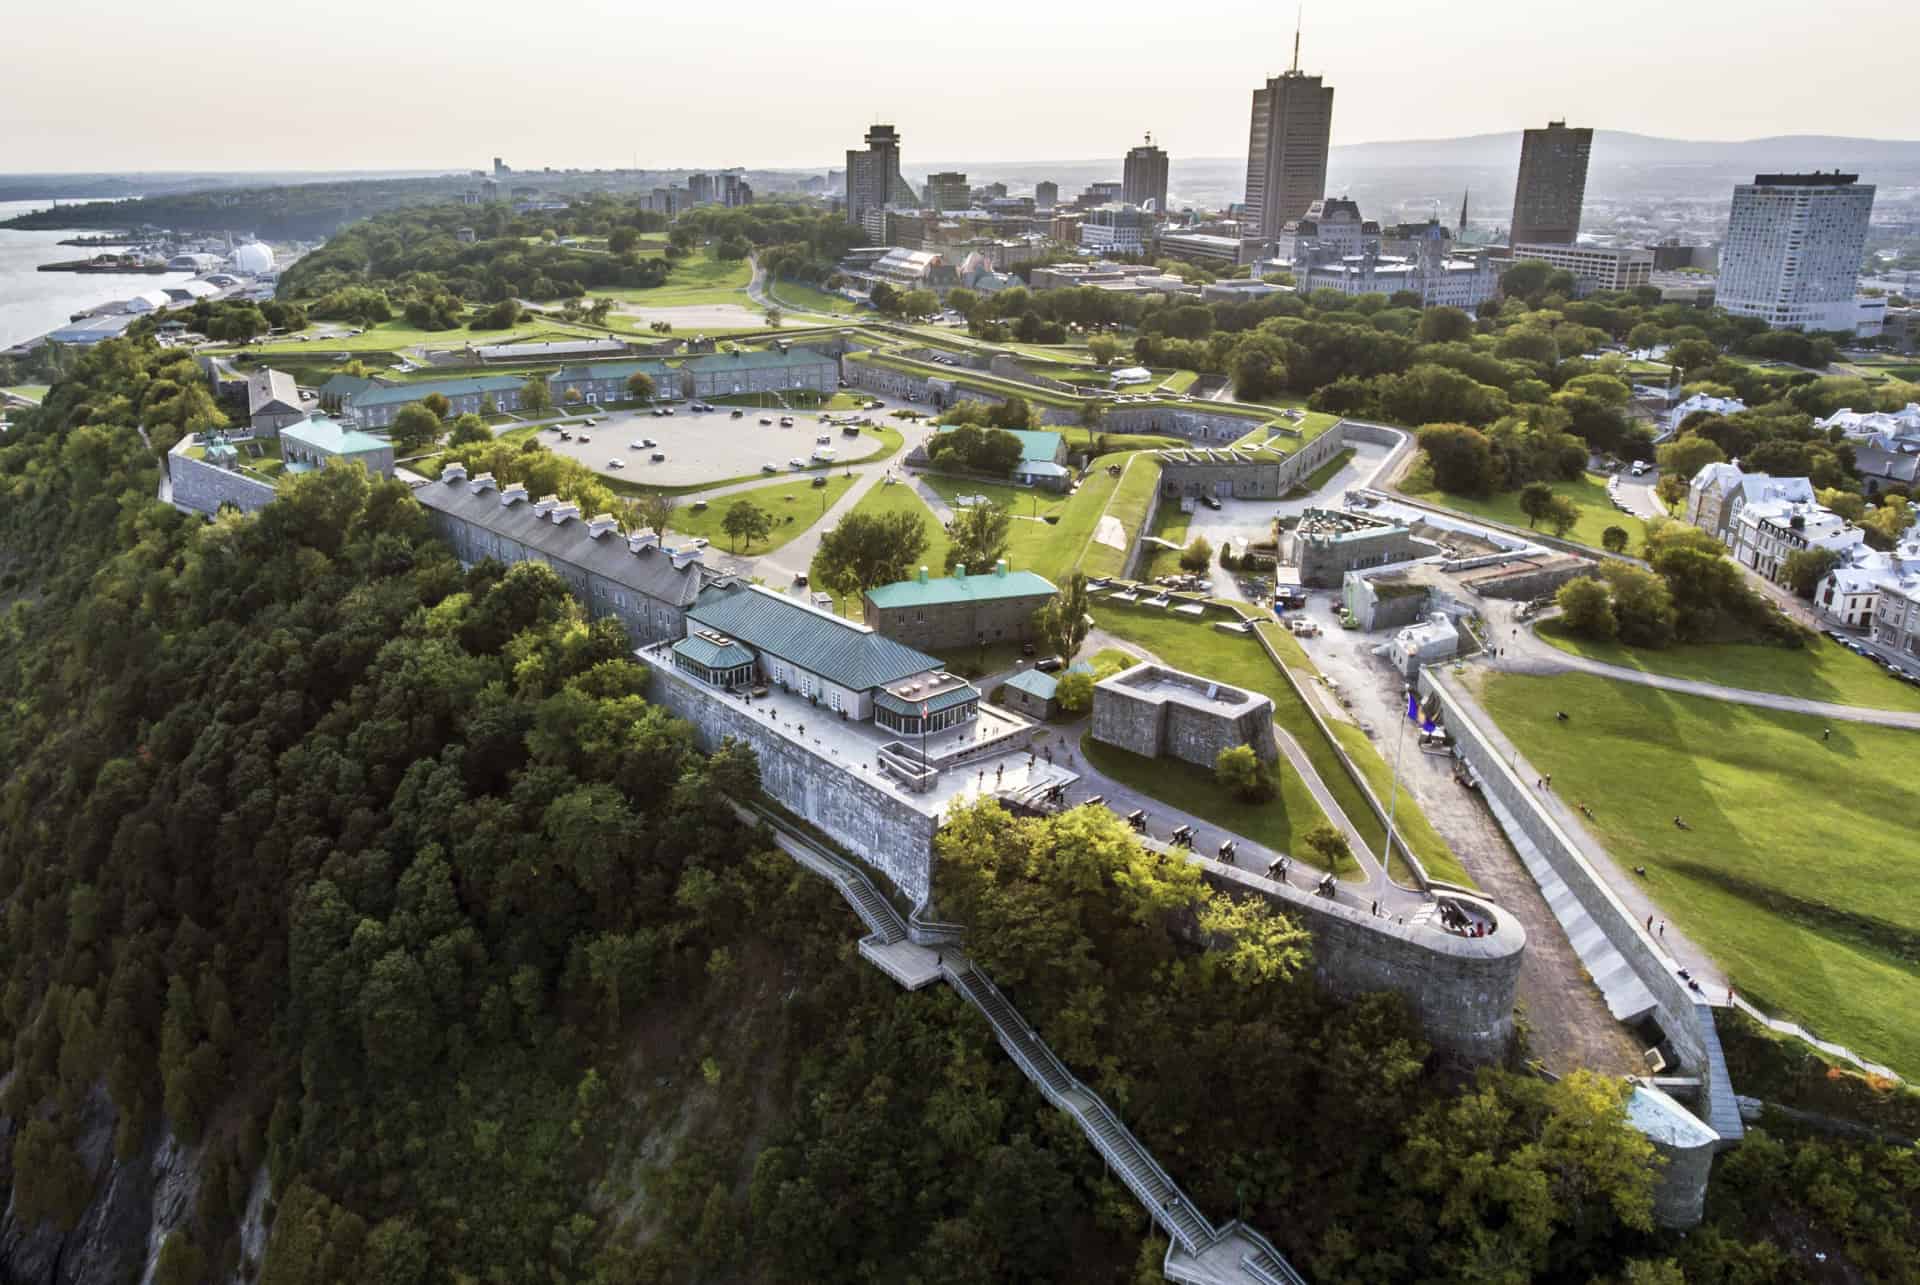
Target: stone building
772, 370
959, 610
1163, 713
1328, 543
273, 402
376, 406
1240, 473
1032, 693
607, 381
311, 443
646, 588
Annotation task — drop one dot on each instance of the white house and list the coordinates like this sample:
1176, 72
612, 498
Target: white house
1700, 402
1850, 593
1767, 532
1857, 425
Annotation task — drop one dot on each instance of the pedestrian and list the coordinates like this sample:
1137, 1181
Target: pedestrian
1548, 778
1376, 905
1536, 782
1729, 997
1663, 930
1649, 923
1826, 733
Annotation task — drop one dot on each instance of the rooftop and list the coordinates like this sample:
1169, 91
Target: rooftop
1162, 685
756, 359
271, 390
925, 591
621, 370
391, 394
838, 650
333, 437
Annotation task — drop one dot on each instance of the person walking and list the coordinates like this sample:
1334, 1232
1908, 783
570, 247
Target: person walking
1663, 930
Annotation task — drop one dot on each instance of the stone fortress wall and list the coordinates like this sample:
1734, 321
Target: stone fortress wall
200, 487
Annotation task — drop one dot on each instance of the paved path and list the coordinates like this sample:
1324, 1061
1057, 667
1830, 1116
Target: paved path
1522, 652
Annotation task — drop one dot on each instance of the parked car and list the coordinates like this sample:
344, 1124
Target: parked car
648, 442
769, 468
823, 440
584, 438
1049, 664
658, 457
786, 421
616, 463
820, 479
698, 542
1211, 502
1639, 468
737, 414
657, 412
766, 419
797, 462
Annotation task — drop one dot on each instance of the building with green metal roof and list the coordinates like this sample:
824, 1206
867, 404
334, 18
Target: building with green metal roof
606, 381
312, 442
943, 613
770, 370
1043, 458
375, 407
1032, 693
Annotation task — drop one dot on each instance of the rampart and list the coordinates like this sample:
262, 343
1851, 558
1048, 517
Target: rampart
200, 487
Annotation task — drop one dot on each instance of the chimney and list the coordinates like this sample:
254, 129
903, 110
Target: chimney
453, 473
683, 557
513, 493
642, 540
923, 575
561, 512
601, 524
1000, 568
545, 505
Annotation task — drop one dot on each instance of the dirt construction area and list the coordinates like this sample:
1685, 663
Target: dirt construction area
709, 446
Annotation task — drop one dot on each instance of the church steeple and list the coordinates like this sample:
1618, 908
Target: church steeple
1463, 211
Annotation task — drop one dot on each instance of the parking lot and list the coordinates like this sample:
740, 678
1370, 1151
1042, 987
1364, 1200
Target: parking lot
709, 446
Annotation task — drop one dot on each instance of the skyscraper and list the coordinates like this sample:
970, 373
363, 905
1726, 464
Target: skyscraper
874, 181
1287, 147
1144, 180
700, 188
1794, 247
948, 191
1046, 194
1552, 185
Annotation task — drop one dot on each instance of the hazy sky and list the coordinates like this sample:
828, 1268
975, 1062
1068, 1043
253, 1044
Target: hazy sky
369, 84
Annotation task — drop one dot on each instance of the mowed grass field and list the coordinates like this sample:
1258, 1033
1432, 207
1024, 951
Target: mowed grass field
1799, 871
1589, 495
1821, 671
793, 505
697, 279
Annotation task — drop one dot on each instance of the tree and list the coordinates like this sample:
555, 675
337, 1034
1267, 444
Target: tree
919, 303
1462, 458
885, 298
469, 428
1562, 515
1259, 367
654, 511
869, 549
640, 386
1239, 770
746, 520
1586, 608
1536, 500
1328, 845
732, 249
1444, 325
977, 537
773, 316
1614, 539
1197, 556
415, 428
1062, 621
1686, 455
1104, 349
535, 397
1074, 692
1806, 568
1642, 604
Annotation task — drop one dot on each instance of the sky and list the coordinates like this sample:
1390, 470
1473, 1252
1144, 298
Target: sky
397, 84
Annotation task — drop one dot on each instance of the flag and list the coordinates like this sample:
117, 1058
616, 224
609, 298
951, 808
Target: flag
1413, 707
1427, 726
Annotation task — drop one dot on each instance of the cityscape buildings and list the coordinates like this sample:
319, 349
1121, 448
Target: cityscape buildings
1794, 247
1144, 179
1594, 267
1287, 147
948, 191
1552, 185
1046, 194
874, 181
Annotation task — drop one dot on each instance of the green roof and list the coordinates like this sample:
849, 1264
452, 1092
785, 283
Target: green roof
756, 359
726, 654
913, 707
402, 393
620, 370
1035, 683
333, 437
851, 655
339, 385
987, 587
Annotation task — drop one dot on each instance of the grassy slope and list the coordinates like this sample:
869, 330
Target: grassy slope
806, 298
1589, 494
1322, 475
697, 279
900, 498
799, 501
1798, 872
1128, 504
1823, 671
1170, 522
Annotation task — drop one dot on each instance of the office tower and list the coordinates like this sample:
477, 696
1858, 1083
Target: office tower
1794, 247
1552, 185
1287, 148
1046, 194
1144, 178
700, 188
874, 182
731, 190
947, 191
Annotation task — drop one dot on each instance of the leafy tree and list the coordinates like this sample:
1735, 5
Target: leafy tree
1806, 568
51, 1185
1328, 845
773, 317
501, 316
1197, 556
1445, 325
469, 428
1586, 608
535, 397
1686, 455
977, 537
1561, 515
746, 520
885, 298
1614, 539
1074, 692
415, 428
1536, 500
1259, 367
869, 549
1462, 458
640, 386
654, 511
1063, 621
1642, 604
1238, 769
1104, 349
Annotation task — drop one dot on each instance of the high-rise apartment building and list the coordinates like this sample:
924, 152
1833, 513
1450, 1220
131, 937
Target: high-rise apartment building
1144, 179
948, 191
731, 190
1046, 194
1552, 185
1794, 247
1287, 148
874, 181
700, 188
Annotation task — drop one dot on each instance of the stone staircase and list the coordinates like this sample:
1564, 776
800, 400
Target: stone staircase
1198, 1253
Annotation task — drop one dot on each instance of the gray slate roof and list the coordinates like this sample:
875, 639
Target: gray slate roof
851, 655
758, 359
271, 390
650, 572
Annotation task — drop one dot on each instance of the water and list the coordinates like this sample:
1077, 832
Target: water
33, 302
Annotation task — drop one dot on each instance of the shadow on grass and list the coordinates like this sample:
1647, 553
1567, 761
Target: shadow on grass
1902, 940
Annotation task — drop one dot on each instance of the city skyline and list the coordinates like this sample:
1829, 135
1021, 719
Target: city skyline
1754, 86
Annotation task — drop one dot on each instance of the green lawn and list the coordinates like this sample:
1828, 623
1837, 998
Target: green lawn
1322, 475
1179, 381
32, 392
1821, 671
1129, 505
1279, 823
1196, 646
1170, 522
794, 505
393, 336
899, 498
697, 279
1027, 501
1797, 872
1314, 424
806, 298
1589, 494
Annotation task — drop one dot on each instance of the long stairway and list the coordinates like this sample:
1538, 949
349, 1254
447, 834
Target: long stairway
1198, 1253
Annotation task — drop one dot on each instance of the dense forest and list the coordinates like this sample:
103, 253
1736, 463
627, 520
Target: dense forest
325, 857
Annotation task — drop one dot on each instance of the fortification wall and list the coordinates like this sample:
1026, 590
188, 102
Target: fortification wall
202, 487
856, 811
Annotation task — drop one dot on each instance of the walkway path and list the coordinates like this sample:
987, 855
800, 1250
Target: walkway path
1198, 1252
1524, 653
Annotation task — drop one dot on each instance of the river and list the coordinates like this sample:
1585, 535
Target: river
34, 302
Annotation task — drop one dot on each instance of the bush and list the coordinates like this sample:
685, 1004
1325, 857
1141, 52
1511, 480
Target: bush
1586, 608
1075, 692
1197, 556
1240, 770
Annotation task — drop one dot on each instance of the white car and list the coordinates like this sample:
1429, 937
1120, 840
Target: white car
786, 421
797, 462
616, 463
766, 419
698, 542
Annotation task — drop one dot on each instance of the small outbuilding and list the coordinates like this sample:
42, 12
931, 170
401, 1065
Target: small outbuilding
1032, 693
